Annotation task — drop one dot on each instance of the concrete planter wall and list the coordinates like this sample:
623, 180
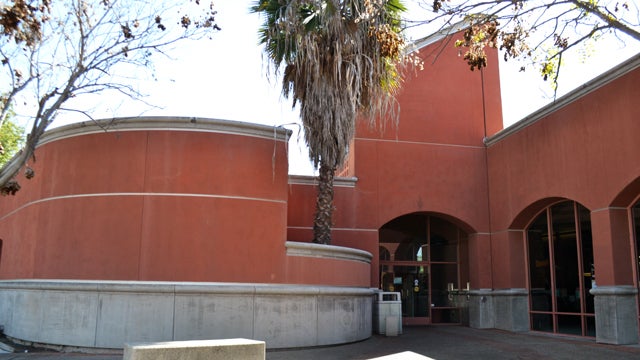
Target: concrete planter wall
108, 314
616, 314
505, 309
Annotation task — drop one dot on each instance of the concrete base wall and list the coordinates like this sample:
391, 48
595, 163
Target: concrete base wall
505, 309
616, 314
481, 311
108, 314
511, 309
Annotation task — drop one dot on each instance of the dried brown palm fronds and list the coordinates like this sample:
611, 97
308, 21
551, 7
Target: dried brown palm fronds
341, 60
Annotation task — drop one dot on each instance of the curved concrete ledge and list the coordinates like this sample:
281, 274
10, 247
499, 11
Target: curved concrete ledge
327, 251
108, 314
175, 123
313, 181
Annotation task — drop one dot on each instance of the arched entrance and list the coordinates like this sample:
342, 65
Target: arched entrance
420, 257
561, 271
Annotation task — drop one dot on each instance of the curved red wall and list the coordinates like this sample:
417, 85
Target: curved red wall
159, 199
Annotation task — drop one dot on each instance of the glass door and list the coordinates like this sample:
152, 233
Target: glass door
419, 259
413, 285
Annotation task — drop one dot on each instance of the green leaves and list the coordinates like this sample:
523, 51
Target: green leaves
11, 140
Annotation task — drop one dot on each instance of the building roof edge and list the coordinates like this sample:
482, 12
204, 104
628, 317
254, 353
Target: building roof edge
443, 32
601, 80
173, 123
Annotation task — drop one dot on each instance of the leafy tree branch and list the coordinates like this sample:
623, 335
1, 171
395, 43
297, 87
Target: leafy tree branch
538, 32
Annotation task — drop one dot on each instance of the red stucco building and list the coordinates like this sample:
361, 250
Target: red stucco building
534, 227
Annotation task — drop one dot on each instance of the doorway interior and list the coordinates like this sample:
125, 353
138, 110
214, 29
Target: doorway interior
422, 256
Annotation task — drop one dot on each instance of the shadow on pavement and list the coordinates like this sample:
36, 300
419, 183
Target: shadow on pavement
435, 342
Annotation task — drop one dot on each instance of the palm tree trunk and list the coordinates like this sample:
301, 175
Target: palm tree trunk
324, 205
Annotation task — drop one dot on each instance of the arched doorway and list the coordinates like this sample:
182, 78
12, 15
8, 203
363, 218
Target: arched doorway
420, 257
561, 271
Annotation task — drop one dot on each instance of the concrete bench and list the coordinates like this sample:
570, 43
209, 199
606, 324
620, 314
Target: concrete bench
196, 350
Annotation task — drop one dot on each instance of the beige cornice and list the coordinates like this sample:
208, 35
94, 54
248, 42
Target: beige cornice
313, 180
174, 123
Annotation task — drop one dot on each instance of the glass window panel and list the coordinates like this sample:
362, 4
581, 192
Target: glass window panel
387, 279
443, 237
410, 250
405, 236
591, 326
635, 212
413, 285
571, 258
539, 274
542, 322
405, 239
570, 325
565, 257
463, 260
636, 223
588, 269
384, 253
441, 276
445, 316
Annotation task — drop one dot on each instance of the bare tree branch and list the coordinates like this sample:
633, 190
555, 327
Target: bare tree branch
608, 17
65, 49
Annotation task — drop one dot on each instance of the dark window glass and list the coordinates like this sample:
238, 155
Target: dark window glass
384, 253
413, 284
446, 316
635, 213
561, 271
636, 223
570, 325
539, 274
565, 254
591, 326
443, 240
442, 276
542, 322
588, 270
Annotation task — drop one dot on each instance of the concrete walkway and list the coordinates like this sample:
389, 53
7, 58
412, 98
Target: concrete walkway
435, 342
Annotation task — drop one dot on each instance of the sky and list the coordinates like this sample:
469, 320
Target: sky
226, 78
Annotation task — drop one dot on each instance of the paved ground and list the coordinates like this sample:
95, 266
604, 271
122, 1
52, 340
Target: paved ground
436, 342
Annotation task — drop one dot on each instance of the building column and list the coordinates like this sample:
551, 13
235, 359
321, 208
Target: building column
616, 314
501, 300
615, 304
481, 312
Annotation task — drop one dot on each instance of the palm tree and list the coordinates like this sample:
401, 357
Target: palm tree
340, 59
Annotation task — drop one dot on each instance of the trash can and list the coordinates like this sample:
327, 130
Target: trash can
387, 313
